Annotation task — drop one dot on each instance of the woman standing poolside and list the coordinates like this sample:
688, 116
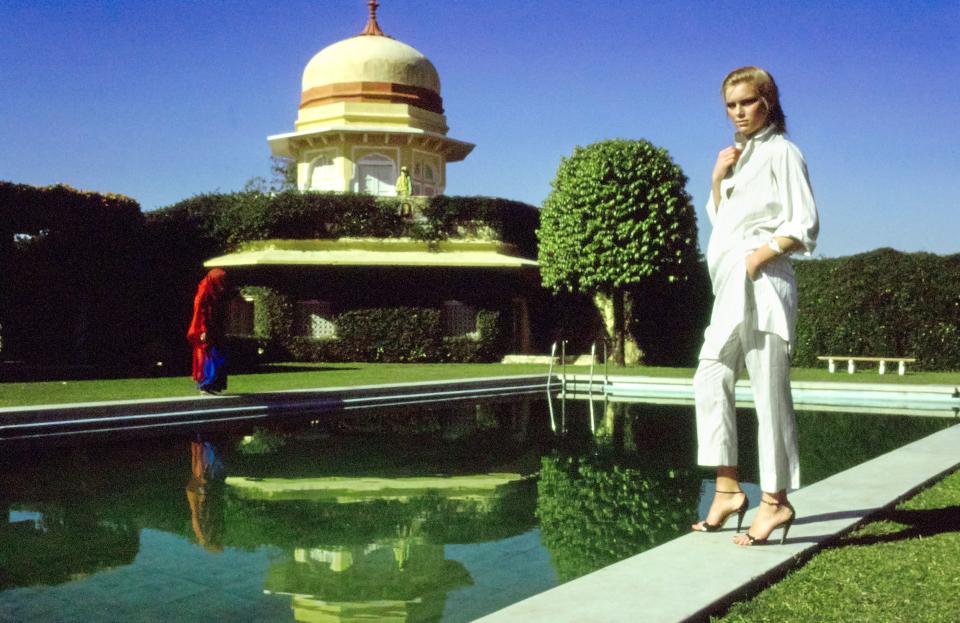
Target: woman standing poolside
762, 210
206, 332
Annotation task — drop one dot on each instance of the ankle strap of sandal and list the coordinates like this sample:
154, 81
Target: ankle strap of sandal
730, 492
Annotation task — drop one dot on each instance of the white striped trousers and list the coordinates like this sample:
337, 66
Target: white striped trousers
767, 359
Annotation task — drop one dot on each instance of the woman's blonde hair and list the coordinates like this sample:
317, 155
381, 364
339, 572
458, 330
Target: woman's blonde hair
766, 88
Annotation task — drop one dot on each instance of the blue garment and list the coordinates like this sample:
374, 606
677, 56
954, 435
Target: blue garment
214, 370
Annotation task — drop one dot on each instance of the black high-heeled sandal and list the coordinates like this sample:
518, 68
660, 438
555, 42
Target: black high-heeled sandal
785, 523
741, 511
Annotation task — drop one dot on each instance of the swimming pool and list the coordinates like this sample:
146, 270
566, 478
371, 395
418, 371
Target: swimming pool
438, 513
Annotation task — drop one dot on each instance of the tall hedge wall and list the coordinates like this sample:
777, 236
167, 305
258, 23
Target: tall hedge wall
881, 303
71, 276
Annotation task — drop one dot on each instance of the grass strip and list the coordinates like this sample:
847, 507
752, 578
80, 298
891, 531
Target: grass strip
903, 566
276, 377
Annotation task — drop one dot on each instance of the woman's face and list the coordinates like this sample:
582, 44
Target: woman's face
745, 108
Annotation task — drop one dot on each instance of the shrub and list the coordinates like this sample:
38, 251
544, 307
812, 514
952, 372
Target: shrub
314, 350
484, 347
390, 335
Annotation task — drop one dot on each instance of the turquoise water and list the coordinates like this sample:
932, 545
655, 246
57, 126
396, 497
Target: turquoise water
428, 515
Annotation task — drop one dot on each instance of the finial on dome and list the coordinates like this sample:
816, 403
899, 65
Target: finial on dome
372, 27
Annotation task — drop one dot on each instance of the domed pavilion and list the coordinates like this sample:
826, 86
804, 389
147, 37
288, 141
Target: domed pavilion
369, 105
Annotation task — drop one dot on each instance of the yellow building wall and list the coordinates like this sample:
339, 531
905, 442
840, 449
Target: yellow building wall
346, 153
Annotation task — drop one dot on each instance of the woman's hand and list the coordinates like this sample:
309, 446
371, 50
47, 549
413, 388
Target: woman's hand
725, 160
765, 254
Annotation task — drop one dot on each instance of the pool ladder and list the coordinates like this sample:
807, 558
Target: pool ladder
563, 382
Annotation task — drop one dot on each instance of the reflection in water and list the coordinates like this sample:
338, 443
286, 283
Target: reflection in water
205, 492
370, 546
50, 533
395, 515
407, 579
600, 500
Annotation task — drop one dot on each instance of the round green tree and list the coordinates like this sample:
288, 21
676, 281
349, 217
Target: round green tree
618, 215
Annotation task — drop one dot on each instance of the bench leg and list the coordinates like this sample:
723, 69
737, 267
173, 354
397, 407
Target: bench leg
883, 367
902, 368
851, 367
831, 365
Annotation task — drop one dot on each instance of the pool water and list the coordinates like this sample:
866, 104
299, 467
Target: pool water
440, 514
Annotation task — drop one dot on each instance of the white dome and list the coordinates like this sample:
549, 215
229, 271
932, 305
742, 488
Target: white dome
366, 58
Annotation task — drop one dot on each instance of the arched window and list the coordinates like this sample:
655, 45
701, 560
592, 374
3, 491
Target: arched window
376, 175
323, 174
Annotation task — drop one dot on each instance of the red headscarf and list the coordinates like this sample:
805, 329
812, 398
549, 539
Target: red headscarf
209, 293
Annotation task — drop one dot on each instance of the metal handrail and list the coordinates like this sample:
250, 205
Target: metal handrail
606, 373
563, 365
593, 359
553, 353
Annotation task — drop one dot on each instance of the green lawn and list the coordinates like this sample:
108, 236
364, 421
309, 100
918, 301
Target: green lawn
904, 566
304, 376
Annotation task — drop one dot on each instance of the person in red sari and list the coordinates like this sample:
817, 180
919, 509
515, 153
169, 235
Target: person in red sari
206, 332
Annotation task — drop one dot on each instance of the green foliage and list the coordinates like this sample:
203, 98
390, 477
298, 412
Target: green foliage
229, 219
72, 276
502, 219
487, 346
273, 315
593, 515
618, 214
309, 349
390, 335
833, 442
881, 303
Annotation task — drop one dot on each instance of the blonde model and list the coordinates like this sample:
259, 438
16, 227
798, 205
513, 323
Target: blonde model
762, 209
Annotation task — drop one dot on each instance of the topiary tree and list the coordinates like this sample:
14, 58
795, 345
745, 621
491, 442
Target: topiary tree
618, 216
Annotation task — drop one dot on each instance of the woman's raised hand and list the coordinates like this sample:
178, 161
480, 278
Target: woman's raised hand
725, 160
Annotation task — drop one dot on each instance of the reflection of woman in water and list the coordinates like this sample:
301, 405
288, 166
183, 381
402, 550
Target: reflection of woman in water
762, 210
206, 332
205, 495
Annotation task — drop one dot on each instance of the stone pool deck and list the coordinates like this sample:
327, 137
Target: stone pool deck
86, 420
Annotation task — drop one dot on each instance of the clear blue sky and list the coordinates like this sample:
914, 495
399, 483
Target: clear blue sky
163, 100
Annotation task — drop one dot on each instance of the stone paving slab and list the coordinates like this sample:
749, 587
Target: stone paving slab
690, 577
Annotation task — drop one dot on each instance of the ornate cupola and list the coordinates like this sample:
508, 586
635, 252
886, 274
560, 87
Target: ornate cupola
370, 105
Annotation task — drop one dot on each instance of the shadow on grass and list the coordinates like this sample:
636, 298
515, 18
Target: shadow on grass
918, 523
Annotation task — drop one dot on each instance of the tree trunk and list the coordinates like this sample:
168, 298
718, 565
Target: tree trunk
619, 329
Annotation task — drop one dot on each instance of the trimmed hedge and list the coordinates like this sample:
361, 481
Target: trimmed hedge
881, 303
232, 218
384, 335
390, 335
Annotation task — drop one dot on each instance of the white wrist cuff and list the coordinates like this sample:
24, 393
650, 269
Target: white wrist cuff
775, 246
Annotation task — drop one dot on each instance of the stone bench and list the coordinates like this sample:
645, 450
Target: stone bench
852, 367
